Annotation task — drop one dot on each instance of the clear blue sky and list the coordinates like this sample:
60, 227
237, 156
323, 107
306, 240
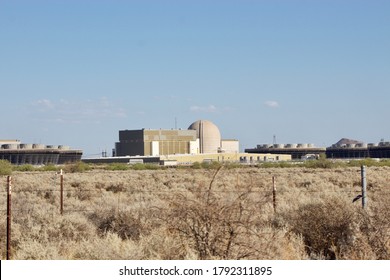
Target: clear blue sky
76, 72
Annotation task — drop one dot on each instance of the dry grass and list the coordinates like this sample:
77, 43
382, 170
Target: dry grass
222, 213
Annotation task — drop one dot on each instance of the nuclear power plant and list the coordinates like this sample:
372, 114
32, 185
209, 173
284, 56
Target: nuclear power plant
201, 137
201, 141
343, 149
37, 154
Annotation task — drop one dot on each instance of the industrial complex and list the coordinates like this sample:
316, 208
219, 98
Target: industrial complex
37, 154
343, 149
201, 137
200, 142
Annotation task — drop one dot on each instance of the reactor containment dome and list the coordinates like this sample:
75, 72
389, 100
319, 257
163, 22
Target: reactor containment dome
209, 136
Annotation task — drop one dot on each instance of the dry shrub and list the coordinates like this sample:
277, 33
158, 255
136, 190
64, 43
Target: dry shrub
100, 185
219, 228
3, 230
35, 250
49, 196
71, 227
327, 227
5, 168
223, 225
115, 188
212, 229
162, 244
230, 217
44, 228
375, 227
16, 235
80, 191
77, 167
122, 223
108, 247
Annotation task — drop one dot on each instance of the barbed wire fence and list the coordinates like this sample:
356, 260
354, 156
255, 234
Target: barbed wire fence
58, 192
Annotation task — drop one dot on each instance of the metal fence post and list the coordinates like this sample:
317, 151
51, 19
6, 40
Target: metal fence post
9, 185
274, 192
62, 193
364, 186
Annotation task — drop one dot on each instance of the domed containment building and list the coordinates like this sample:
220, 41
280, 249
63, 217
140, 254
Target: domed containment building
201, 137
208, 135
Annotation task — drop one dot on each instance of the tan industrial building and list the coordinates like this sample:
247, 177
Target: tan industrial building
229, 146
147, 142
225, 157
201, 142
201, 137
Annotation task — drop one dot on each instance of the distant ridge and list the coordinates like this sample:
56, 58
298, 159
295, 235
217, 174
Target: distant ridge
346, 141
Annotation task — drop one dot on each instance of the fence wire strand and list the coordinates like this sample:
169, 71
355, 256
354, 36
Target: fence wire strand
73, 190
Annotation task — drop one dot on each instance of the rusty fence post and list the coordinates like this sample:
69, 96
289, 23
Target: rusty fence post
274, 192
364, 186
62, 193
9, 186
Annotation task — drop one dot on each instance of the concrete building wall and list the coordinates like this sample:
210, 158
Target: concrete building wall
226, 157
154, 142
194, 147
230, 146
155, 148
169, 141
131, 143
9, 142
